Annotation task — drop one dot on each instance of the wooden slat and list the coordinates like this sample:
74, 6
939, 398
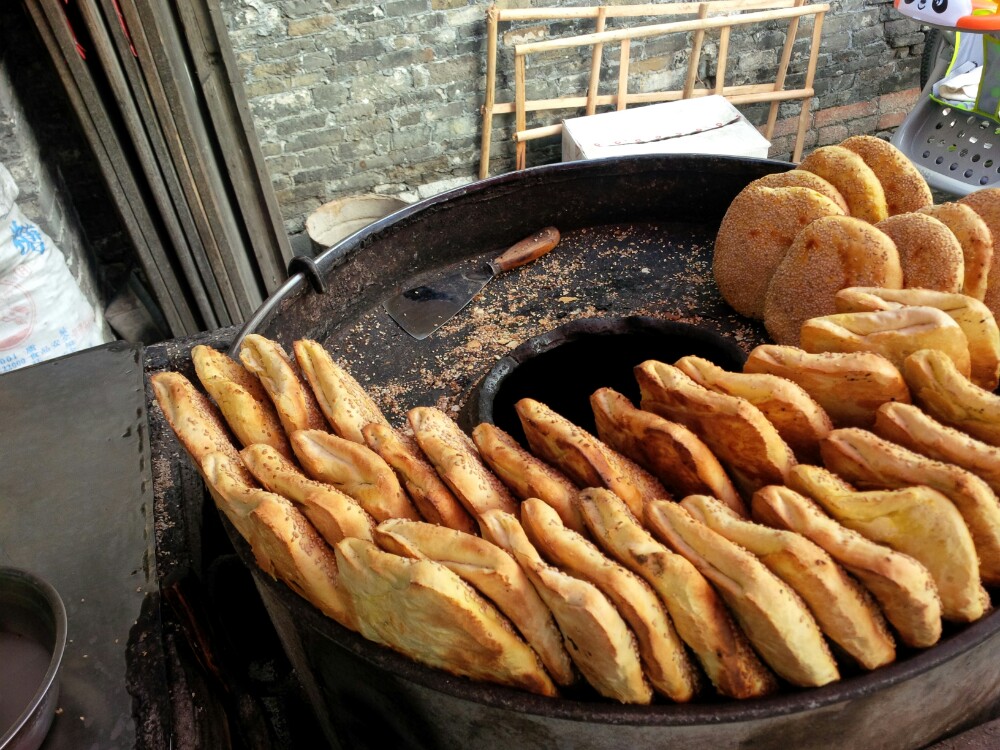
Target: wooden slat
595, 64
621, 98
492, 17
779, 78
520, 119
129, 199
633, 11
722, 63
694, 58
139, 136
804, 115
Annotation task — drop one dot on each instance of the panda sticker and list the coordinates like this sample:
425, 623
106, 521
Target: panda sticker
974, 15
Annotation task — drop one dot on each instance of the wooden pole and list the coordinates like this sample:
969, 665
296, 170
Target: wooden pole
492, 21
623, 65
720, 68
695, 57
779, 79
595, 64
806, 113
520, 118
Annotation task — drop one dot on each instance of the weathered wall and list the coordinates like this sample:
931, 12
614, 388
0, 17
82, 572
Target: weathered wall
351, 97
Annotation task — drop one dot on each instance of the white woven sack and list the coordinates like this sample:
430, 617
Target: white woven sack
43, 313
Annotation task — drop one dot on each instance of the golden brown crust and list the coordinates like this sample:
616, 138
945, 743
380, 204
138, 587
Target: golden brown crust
870, 462
776, 620
910, 427
494, 573
341, 398
664, 658
425, 611
902, 586
754, 235
354, 470
895, 334
849, 386
797, 417
599, 641
583, 458
428, 492
195, 421
973, 235
917, 521
986, 203
845, 612
670, 451
943, 392
335, 514
527, 476
701, 619
973, 317
735, 430
929, 252
904, 187
804, 179
856, 181
828, 255
292, 398
457, 462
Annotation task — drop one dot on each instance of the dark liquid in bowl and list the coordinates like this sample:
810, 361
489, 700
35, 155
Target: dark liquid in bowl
23, 664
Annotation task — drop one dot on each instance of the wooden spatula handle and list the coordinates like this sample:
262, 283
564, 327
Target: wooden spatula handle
528, 249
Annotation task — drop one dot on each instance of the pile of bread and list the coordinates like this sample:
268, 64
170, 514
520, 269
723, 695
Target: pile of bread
855, 214
733, 533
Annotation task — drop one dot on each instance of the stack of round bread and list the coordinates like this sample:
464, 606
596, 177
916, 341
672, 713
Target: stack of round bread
857, 214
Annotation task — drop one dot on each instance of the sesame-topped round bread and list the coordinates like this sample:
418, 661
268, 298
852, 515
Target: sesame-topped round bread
855, 180
905, 188
755, 234
802, 178
986, 203
929, 253
830, 254
974, 235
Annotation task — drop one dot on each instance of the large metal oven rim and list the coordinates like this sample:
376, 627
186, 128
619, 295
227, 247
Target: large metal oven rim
343, 251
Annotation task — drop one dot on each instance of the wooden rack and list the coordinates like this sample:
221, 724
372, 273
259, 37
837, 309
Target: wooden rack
157, 94
721, 15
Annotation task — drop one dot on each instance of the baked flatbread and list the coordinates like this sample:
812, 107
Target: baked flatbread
599, 641
698, 613
423, 610
527, 476
917, 521
334, 514
585, 459
668, 450
901, 585
493, 572
735, 430
845, 612
664, 658
354, 470
293, 400
241, 399
428, 492
341, 398
775, 619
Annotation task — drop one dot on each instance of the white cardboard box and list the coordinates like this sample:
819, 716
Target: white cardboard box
703, 125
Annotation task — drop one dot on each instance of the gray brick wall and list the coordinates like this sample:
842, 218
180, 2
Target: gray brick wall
354, 97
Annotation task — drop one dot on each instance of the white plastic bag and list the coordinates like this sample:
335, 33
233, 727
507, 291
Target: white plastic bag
43, 313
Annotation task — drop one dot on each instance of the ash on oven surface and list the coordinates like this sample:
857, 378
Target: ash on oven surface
659, 270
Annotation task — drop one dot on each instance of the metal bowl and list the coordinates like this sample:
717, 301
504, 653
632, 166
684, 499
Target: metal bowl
32, 641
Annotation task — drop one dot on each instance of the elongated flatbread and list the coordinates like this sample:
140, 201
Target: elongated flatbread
663, 655
599, 641
354, 470
845, 612
241, 399
494, 573
423, 610
343, 401
293, 400
735, 430
428, 492
335, 514
669, 450
776, 620
901, 585
527, 476
701, 618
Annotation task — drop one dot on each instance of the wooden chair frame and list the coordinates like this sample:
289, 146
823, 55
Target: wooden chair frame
710, 14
